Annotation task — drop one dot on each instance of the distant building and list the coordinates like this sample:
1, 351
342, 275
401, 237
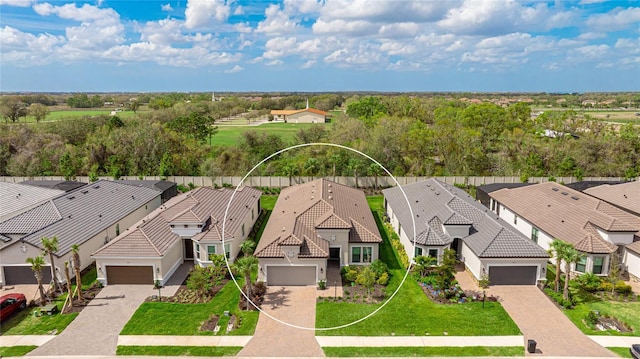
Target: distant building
307, 115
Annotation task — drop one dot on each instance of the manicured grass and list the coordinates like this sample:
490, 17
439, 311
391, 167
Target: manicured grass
16, 351
230, 135
422, 351
627, 312
268, 201
387, 253
24, 323
157, 318
621, 351
178, 351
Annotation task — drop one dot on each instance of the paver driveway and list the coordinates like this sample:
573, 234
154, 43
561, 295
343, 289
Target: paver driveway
539, 319
293, 305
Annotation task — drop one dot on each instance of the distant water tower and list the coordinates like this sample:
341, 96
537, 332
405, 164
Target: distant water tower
213, 97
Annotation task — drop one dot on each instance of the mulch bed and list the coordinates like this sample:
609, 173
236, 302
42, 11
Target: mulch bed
87, 296
188, 296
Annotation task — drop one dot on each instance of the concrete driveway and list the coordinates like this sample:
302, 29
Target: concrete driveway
95, 331
293, 305
539, 319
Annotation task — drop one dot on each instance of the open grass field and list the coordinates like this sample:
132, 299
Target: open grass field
69, 114
615, 116
230, 135
178, 351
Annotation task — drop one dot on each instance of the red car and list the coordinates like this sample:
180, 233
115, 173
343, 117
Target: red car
11, 303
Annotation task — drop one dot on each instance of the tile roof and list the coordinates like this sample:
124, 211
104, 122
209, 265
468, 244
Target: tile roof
319, 204
153, 236
16, 197
55, 184
435, 204
568, 214
293, 112
624, 195
79, 215
635, 246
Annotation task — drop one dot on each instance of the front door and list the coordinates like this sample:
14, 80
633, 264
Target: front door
334, 254
188, 248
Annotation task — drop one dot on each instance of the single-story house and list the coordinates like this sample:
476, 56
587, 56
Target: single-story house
186, 228
17, 198
89, 216
625, 196
313, 225
169, 189
447, 217
307, 115
549, 210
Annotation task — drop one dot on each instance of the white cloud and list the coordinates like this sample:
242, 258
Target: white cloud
18, 47
166, 7
587, 2
616, 19
20, 3
276, 22
309, 64
591, 36
345, 27
363, 56
397, 30
238, 11
235, 69
279, 47
201, 13
386, 11
172, 56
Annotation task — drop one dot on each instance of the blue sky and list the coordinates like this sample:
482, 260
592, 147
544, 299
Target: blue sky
327, 45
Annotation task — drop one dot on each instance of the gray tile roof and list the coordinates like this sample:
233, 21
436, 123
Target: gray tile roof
318, 204
66, 186
624, 195
153, 237
635, 246
435, 203
568, 214
78, 216
15, 197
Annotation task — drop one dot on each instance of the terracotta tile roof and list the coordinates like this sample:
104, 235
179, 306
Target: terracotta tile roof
293, 112
319, 204
624, 195
433, 202
635, 246
185, 208
568, 214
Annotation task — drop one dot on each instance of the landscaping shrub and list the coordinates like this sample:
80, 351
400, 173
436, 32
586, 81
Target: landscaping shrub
383, 279
622, 288
589, 282
379, 268
606, 286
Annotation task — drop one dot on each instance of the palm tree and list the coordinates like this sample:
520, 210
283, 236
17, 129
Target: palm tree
245, 266
557, 249
571, 255
75, 250
50, 246
36, 266
247, 247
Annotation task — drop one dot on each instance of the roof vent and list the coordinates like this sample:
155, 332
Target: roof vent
284, 229
564, 193
132, 197
330, 197
574, 197
96, 186
437, 193
72, 197
555, 189
85, 192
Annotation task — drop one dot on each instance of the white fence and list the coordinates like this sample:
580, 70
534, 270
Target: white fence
365, 182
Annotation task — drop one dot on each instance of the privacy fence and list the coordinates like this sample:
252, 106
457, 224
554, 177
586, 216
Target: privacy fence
364, 182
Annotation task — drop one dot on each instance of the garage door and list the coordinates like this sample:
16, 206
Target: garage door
512, 275
129, 274
24, 275
288, 275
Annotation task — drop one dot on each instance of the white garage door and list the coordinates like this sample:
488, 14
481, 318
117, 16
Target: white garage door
291, 275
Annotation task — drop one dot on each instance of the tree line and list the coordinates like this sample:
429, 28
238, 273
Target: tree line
409, 135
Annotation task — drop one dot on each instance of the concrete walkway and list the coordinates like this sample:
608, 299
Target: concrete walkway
17, 340
291, 305
421, 341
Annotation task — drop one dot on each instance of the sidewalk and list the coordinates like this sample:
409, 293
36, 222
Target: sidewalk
18, 340
421, 341
614, 341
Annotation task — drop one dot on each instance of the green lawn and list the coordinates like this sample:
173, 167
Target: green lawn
157, 318
24, 323
621, 351
16, 351
410, 312
422, 351
628, 312
230, 135
178, 351
268, 201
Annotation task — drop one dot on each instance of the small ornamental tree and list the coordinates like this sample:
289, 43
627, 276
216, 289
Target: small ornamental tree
484, 284
367, 279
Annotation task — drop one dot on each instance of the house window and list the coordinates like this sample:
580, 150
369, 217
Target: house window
210, 250
417, 252
243, 230
581, 265
493, 205
534, 234
433, 253
355, 254
117, 229
361, 254
227, 250
598, 264
197, 250
515, 219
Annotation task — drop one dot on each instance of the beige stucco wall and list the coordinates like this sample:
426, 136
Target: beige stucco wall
171, 261
305, 117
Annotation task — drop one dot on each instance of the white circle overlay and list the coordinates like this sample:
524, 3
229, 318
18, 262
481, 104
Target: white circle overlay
224, 221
